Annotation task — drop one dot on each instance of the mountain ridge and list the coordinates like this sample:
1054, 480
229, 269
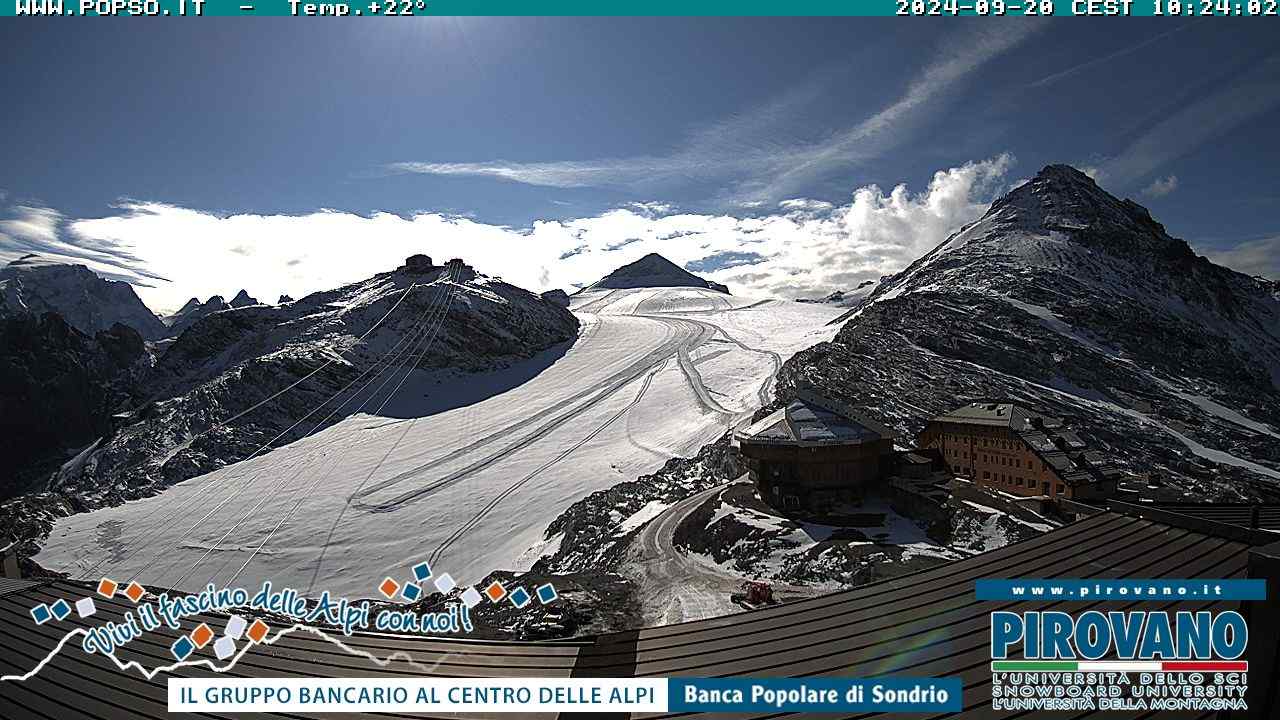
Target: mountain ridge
652, 270
238, 381
1065, 297
87, 301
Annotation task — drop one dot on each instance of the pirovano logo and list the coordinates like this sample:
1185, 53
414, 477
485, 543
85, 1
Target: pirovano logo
1162, 659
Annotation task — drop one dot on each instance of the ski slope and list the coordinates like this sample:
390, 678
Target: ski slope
655, 373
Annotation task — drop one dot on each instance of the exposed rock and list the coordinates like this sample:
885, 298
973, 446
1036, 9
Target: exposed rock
242, 299
459, 271
590, 529
58, 390
192, 311
556, 297
847, 298
653, 270
1066, 299
213, 393
86, 301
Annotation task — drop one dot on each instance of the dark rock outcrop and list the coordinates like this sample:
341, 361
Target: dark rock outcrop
58, 390
653, 270
556, 297
1065, 298
241, 378
85, 301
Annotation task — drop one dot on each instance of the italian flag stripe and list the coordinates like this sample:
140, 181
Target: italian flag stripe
1118, 666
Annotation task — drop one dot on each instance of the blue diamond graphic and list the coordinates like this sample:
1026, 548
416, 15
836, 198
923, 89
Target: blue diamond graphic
547, 594
60, 609
182, 648
40, 614
520, 597
421, 571
411, 592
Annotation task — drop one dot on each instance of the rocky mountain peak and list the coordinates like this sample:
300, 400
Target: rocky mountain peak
653, 270
242, 299
1062, 199
88, 302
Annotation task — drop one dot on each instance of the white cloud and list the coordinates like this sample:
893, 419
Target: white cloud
1253, 257
32, 229
1161, 186
32, 224
746, 149
789, 254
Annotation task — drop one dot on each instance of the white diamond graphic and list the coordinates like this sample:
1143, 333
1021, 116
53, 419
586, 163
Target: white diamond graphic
470, 597
235, 627
445, 583
224, 647
86, 607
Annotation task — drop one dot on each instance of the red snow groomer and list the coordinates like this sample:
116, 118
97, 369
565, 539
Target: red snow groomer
755, 594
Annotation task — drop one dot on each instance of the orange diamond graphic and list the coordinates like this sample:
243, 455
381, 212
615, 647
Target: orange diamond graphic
201, 635
389, 588
107, 588
258, 630
495, 591
134, 592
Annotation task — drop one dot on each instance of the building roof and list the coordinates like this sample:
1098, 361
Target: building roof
991, 413
1263, 516
811, 419
1059, 448
925, 624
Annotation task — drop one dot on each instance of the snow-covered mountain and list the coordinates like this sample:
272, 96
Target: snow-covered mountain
654, 271
85, 300
193, 310
240, 379
1065, 297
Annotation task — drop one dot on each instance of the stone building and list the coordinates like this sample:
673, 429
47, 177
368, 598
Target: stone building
1007, 447
816, 455
417, 263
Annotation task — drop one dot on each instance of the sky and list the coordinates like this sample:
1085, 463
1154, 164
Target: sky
781, 156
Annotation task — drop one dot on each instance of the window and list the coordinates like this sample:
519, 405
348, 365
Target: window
1060, 488
1018, 482
986, 475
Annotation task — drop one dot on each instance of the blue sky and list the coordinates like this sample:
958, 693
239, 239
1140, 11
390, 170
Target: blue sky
275, 141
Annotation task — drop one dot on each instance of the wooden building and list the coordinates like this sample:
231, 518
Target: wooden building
815, 455
1007, 447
